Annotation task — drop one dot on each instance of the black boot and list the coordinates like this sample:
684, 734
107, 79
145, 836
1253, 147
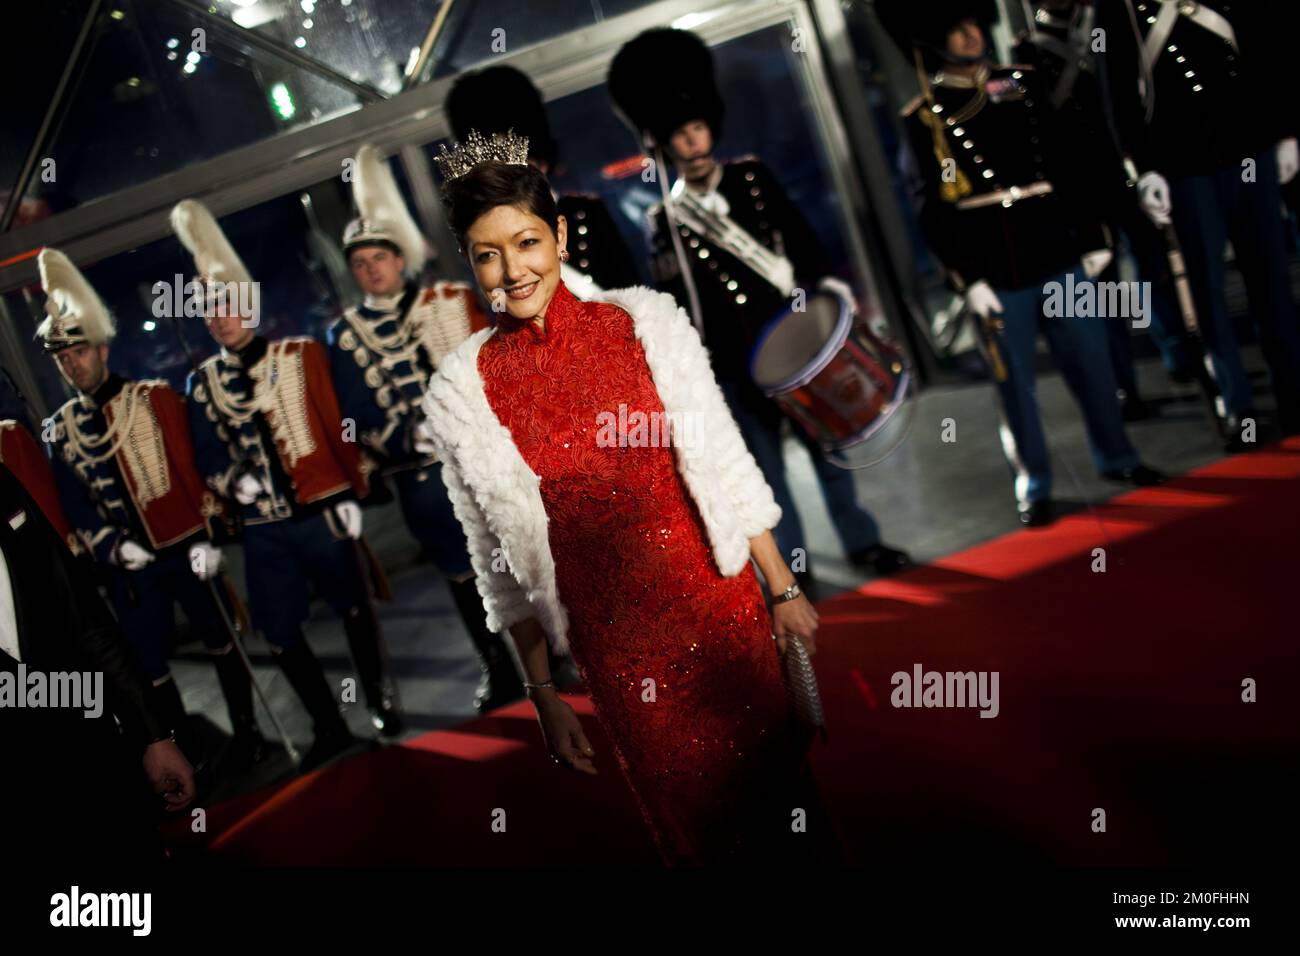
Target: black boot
247, 744
500, 684
304, 674
362, 628
166, 697
882, 559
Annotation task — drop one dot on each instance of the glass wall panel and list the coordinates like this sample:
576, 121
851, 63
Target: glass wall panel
32, 81
158, 96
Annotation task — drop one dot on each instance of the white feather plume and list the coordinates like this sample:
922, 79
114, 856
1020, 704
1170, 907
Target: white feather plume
73, 298
378, 199
214, 257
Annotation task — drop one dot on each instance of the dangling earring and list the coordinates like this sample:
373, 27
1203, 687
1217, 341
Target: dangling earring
564, 255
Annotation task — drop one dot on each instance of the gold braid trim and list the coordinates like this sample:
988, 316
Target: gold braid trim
960, 186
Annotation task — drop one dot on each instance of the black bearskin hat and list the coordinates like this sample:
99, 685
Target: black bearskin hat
663, 79
498, 99
925, 24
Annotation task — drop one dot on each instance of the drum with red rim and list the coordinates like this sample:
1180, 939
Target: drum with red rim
833, 375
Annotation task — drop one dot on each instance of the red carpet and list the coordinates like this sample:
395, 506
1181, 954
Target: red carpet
1119, 690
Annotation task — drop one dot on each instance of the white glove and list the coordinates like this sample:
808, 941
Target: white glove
1153, 197
423, 439
982, 300
349, 513
247, 488
1288, 160
1095, 262
205, 560
131, 556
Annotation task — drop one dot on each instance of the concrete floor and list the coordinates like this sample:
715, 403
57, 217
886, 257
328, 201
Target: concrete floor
931, 498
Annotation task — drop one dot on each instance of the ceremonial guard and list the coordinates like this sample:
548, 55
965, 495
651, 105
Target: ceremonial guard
382, 353
501, 98
1060, 46
1008, 214
268, 434
746, 243
123, 462
1193, 87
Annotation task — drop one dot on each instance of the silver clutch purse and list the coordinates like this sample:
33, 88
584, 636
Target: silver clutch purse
801, 685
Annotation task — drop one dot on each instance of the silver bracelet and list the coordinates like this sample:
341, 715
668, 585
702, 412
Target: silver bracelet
550, 682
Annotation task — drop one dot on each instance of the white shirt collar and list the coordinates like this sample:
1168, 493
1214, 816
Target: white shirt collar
384, 303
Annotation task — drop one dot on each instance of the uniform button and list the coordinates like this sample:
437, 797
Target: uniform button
582, 263
695, 243
958, 131
732, 285
582, 244
988, 174
741, 299
582, 230
723, 277
582, 214
978, 158
713, 263
967, 144
936, 108
749, 177
759, 205
704, 253
754, 191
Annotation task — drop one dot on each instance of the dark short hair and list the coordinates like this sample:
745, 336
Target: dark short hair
492, 184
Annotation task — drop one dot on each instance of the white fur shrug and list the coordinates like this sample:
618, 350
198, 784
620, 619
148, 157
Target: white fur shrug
496, 495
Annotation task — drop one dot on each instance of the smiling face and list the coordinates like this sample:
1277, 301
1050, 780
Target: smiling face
513, 250
83, 366
377, 269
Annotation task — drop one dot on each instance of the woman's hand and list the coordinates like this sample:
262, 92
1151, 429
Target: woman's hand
797, 618
563, 732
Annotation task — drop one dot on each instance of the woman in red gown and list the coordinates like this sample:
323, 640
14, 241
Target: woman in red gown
679, 659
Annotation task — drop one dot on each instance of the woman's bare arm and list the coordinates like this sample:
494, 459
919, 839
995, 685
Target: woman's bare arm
797, 618
776, 572
560, 725
530, 642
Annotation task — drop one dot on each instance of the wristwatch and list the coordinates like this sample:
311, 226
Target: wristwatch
790, 594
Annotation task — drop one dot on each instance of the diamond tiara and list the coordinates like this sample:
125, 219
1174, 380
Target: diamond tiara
509, 147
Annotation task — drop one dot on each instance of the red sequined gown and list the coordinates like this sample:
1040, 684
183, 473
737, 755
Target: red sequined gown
710, 749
